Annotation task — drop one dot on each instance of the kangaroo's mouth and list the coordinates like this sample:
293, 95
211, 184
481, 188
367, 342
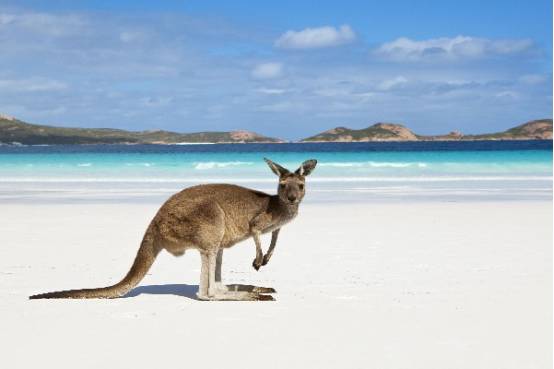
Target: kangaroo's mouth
288, 201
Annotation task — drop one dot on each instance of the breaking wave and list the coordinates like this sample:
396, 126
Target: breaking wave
374, 164
139, 164
215, 164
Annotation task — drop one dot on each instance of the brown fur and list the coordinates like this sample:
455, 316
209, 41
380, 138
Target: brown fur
211, 218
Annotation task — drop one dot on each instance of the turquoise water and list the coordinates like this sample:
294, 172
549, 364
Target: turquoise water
367, 172
250, 166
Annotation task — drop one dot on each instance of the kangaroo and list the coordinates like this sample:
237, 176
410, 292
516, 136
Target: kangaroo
211, 218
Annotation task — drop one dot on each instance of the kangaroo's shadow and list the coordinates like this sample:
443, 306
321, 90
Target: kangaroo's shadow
184, 290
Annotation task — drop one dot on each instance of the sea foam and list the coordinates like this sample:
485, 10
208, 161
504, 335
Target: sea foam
216, 164
373, 164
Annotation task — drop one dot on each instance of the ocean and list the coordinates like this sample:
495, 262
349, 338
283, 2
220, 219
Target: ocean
377, 171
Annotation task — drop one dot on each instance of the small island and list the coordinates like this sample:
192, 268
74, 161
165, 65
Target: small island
533, 130
15, 131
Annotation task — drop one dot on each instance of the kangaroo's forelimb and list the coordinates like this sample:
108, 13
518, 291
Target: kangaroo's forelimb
257, 263
262, 259
274, 236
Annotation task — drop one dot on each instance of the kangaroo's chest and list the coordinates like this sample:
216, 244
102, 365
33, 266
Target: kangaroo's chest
238, 230
278, 223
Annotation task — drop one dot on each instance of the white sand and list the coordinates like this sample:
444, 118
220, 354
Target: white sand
421, 285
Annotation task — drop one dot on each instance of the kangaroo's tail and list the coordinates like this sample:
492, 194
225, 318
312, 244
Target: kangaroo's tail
145, 258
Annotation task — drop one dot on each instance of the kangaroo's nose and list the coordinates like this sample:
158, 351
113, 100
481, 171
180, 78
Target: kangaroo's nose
292, 198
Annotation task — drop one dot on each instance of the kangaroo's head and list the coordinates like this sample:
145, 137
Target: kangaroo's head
292, 186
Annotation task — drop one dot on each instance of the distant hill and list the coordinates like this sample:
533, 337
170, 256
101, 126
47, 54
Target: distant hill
15, 131
536, 129
376, 132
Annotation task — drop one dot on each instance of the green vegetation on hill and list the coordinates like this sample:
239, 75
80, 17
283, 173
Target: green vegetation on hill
16, 131
376, 132
537, 129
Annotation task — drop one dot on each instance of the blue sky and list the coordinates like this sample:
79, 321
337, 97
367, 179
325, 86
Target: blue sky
287, 68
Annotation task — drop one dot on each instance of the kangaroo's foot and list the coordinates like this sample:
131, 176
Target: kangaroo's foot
236, 296
221, 288
264, 290
249, 288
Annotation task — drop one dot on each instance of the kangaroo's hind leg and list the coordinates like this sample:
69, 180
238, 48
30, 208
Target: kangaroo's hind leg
207, 288
204, 278
219, 283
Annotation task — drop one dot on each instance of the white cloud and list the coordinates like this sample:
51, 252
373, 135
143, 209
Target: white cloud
332, 91
280, 107
312, 38
131, 36
43, 23
32, 85
532, 79
389, 84
271, 91
459, 47
267, 70
6, 19
507, 94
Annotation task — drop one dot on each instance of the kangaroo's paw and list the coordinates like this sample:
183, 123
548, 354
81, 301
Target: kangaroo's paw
257, 264
264, 290
265, 259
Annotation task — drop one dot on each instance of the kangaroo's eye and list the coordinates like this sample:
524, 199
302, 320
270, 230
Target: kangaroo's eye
301, 186
281, 185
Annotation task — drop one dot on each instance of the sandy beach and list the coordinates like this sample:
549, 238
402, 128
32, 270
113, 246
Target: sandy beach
428, 284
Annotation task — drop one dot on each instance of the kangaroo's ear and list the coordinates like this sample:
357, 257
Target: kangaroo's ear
276, 168
307, 167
